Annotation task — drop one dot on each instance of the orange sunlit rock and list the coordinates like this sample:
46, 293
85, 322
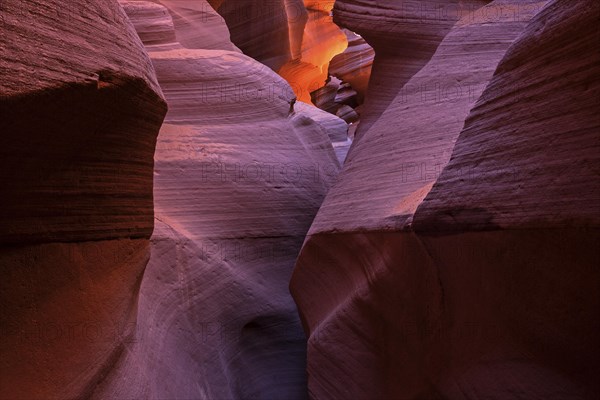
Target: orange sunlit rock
319, 5
322, 40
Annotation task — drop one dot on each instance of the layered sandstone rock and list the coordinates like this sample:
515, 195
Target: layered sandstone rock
404, 35
81, 110
432, 106
239, 175
479, 282
85, 113
295, 38
522, 188
297, 17
531, 142
179, 23
261, 30
354, 64
322, 40
319, 5
198, 25
335, 127
456, 257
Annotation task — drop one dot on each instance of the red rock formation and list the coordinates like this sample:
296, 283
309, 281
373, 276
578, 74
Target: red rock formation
318, 42
319, 5
297, 17
296, 41
239, 176
178, 24
432, 107
81, 110
335, 127
198, 25
456, 256
354, 65
404, 34
315, 41
526, 166
480, 282
259, 29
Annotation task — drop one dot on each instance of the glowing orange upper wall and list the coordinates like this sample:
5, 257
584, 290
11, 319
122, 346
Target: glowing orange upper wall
314, 40
319, 5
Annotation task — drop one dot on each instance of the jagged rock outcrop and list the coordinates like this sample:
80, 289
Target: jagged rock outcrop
470, 271
239, 175
81, 110
404, 35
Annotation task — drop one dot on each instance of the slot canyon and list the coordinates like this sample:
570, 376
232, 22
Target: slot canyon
300, 199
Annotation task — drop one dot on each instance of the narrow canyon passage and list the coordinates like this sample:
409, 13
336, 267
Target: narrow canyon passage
299, 199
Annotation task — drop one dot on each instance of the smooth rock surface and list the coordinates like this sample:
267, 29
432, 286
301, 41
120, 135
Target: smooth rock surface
335, 127
239, 175
294, 38
523, 162
179, 23
261, 30
455, 257
404, 35
81, 110
321, 40
471, 280
420, 127
68, 312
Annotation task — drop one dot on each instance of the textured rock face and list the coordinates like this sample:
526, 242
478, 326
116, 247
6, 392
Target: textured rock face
178, 24
454, 258
321, 41
239, 176
260, 29
110, 164
68, 311
470, 271
432, 106
295, 38
404, 34
336, 128
81, 110
354, 65
198, 25
553, 185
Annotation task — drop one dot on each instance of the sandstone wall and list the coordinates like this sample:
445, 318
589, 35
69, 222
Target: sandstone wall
464, 258
239, 175
81, 110
404, 35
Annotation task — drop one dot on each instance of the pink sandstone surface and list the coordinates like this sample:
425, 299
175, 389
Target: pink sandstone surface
294, 38
465, 265
239, 175
404, 34
81, 109
150, 254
